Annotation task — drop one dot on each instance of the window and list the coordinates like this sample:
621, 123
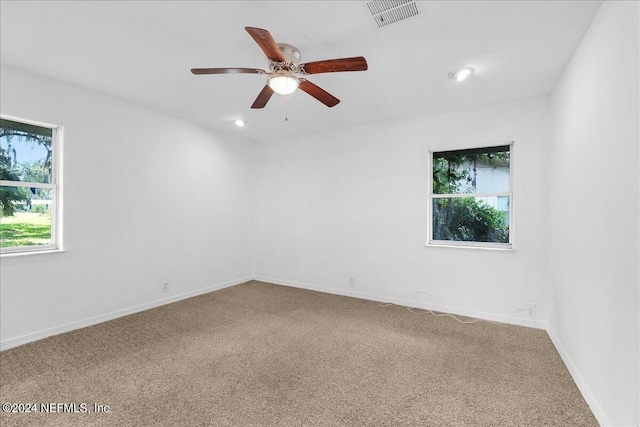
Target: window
471, 197
29, 186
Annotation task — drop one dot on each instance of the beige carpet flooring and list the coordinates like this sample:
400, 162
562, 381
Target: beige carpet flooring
258, 354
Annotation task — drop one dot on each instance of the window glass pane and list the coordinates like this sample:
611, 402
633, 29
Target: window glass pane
25, 217
25, 152
483, 170
471, 219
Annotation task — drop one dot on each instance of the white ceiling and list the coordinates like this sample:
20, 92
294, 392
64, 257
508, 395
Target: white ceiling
142, 52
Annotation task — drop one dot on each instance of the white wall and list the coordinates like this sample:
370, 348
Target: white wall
147, 198
353, 203
594, 231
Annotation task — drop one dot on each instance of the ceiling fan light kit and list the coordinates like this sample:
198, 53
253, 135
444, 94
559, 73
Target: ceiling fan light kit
283, 84
284, 63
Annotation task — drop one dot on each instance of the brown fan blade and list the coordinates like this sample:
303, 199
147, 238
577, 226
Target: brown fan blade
266, 43
318, 93
357, 63
263, 97
227, 71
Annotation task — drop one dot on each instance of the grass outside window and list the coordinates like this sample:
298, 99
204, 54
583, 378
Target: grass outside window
25, 229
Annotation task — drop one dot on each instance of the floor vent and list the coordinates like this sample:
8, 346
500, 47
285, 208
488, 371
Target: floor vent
386, 12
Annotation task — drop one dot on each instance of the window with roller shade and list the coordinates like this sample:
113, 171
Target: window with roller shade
471, 197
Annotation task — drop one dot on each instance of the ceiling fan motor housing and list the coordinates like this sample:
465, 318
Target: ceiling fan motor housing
291, 53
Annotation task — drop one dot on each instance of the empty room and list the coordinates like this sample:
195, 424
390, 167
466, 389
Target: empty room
320, 213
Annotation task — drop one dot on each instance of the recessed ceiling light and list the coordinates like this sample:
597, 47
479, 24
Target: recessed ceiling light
239, 122
461, 73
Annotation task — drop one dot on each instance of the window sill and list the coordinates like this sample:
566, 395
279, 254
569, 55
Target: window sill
29, 253
484, 248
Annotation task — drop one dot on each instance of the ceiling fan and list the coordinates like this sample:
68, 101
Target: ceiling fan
284, 64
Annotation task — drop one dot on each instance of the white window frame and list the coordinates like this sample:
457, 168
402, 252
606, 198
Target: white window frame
54, 186
465, 244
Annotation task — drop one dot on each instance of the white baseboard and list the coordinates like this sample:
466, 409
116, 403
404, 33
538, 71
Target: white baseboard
588, 395
520, 321
14, 342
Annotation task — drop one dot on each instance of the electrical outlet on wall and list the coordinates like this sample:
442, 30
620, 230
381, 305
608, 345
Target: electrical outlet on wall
165, 286
352, 281
531, 307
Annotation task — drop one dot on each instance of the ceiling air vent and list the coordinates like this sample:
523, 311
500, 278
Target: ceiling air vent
386, 12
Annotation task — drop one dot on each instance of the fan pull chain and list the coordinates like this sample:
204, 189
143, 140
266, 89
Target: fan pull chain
286, 109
